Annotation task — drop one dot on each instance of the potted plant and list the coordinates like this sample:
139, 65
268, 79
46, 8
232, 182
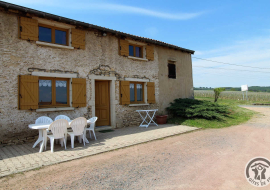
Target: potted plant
161, 118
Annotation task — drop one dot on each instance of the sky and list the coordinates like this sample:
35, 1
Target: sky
234, 32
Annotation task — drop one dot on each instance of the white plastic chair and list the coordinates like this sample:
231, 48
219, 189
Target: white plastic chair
92, 122
59, 130
42, 119
62, 117
78, 126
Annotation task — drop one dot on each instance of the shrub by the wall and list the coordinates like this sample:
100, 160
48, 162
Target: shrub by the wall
192, 108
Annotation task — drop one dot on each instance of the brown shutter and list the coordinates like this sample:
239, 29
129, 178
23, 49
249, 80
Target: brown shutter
151, 92
123, 47
28, 29
78, 38
124, 93
78, 92
150, 53
28, 92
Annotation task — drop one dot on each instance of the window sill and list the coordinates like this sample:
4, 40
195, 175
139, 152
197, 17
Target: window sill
137, 58
134, 105
53, 45
55, 109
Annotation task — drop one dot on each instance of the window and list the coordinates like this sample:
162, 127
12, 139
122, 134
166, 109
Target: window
52, 35
171, 70
53, 92
136, 92
135, 51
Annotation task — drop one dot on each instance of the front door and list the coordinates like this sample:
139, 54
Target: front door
102, 103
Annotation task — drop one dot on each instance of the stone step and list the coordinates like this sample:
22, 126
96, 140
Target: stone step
103, 128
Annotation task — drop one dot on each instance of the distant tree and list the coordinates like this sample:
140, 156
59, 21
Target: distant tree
233, 89
217, 92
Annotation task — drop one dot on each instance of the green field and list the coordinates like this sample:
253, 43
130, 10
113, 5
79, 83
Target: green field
253, 97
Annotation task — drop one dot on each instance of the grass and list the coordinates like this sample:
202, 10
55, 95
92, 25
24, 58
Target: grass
238, 115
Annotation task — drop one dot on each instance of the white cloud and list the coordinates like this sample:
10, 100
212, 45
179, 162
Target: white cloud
113, 8
137, 10
253, 52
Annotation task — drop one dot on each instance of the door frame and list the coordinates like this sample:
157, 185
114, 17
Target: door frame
113, 102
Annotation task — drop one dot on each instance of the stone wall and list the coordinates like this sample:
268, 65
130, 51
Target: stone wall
100, 57
181, 87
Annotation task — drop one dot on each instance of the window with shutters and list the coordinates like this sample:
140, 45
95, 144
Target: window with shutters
171, 70
52, 34
133, 93
135, 51
136, 92
53, 92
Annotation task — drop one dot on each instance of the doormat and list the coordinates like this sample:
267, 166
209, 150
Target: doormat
106, 131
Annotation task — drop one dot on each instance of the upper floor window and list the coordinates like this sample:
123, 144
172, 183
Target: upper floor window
52, 35
135, 51
53, 92
136, 92
171, 70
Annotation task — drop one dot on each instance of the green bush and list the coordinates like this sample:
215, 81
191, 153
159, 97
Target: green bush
191, 108
217, 92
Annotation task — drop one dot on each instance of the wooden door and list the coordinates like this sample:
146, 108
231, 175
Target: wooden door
102, 103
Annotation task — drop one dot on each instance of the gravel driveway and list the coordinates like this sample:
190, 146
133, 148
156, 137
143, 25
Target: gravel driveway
205, 159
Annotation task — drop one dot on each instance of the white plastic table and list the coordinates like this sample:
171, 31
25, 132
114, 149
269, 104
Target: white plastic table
42, 129
148, 113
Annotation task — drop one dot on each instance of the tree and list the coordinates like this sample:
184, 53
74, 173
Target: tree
217, 92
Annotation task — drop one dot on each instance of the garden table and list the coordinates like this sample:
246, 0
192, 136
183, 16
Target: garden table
148, 113
42, 137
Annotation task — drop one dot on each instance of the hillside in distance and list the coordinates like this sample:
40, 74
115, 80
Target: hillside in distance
250, 88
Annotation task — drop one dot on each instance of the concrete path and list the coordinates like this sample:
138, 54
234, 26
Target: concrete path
18, 158
202, 160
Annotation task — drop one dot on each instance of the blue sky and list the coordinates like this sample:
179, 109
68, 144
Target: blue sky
236, 32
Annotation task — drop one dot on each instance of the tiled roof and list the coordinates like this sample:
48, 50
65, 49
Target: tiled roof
71, 21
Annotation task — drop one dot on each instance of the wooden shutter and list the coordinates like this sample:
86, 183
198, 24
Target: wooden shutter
78, 92
124, 93
28, 92
28, 29
151, 93
150, 53
123, 47
78, 38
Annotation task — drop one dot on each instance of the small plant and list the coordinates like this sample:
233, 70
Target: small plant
191, 108
161, 113
217, 92
161, 118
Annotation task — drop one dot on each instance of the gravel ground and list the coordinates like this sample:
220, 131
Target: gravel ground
205, 159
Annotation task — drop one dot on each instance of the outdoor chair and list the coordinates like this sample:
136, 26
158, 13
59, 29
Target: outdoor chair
62, 117
92, 122
78, 126
42, 119
59, 131
66, 118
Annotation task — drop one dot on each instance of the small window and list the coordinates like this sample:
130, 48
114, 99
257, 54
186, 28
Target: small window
53, 92
171, 70
52, 35
136, 92
135, 51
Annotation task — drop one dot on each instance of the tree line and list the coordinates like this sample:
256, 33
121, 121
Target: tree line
250, 88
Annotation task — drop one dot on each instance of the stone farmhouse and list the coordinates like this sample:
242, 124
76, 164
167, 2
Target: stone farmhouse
51, 65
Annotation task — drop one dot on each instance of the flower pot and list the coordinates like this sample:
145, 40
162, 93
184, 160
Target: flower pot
161, 119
